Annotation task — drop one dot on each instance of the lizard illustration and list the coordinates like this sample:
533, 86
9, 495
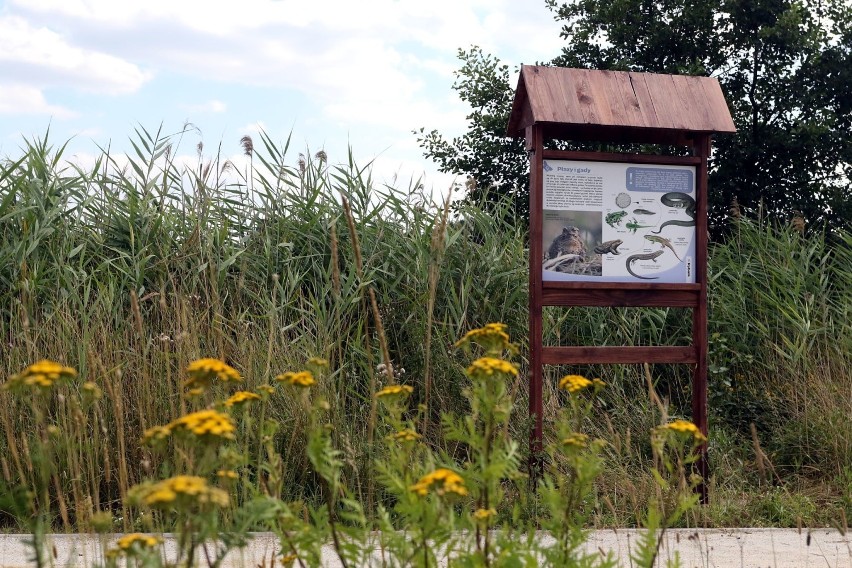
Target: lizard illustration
614, 219
609, 247
648, 256
663, 242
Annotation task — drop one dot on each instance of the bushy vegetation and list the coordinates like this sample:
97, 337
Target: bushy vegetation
130, 270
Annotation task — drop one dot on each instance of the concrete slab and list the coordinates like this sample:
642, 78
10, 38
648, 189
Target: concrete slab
697, 548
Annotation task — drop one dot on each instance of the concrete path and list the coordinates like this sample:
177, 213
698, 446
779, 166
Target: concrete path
717, 548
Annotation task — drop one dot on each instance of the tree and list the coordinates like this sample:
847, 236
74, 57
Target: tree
784, 65
495, 164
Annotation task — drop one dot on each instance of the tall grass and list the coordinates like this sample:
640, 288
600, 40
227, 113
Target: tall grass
132, 268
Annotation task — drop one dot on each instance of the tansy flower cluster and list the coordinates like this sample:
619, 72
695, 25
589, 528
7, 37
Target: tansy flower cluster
405, 435
491, 336
206, 424
443, 481
576, 383
41, 375
134, 542
241, 397
576, 440
395, 390
684, 427
204, 371
483, 515
301, 379
181, 490
485, 367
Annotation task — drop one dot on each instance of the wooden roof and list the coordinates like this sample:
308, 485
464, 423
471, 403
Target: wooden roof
581, 104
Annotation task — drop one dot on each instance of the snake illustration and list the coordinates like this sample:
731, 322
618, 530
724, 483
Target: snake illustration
648, 256
678, 200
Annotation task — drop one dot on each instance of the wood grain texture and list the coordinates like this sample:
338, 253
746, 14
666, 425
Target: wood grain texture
621, 158
616, 298
588, 98
618, 355
536, 407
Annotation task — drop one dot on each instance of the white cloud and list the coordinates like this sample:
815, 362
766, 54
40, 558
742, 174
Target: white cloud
23, 99
213, 106
42, 57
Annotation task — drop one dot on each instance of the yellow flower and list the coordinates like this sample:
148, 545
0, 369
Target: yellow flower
266, 389
317, 364
241, 397
574, 383
301, 379
684, 427
444, 480
92, 390
405, 435
155, 434
207, 424
485, 367
203, 372
482, 515
227, 474
42, 375
289, 559
576, 440
138, 540
183, 490
492, 336
395, 390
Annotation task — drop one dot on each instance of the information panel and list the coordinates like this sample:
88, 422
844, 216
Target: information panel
617, 222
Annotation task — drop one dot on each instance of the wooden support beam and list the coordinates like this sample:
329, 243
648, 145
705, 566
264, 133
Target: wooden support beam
619, 355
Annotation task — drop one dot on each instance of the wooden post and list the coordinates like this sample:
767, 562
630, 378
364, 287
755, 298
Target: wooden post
699, 318
535, 147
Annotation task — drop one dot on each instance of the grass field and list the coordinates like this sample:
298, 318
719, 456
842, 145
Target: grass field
132, 269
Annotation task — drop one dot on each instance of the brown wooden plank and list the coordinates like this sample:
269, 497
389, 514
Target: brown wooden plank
584, 96
614, 97
617, 133
627, 100
615, 298
557, 107
696, 99
535, 92
660, 88
696, 117
624, 158
569, 285
632, 108
674, 103
618, 355
646, 103
536, 407
699, 319
717, 106
601, 105
570, 108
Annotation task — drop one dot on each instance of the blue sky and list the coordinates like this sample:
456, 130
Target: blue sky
335, 73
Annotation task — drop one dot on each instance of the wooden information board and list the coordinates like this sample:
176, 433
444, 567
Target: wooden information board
618, 230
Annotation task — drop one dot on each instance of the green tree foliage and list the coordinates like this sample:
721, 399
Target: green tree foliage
494, 163
784, 65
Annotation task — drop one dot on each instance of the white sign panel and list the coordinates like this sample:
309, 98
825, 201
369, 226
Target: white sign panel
616, 222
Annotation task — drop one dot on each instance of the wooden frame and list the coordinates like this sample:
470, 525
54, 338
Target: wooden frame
617, 294
621, 107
